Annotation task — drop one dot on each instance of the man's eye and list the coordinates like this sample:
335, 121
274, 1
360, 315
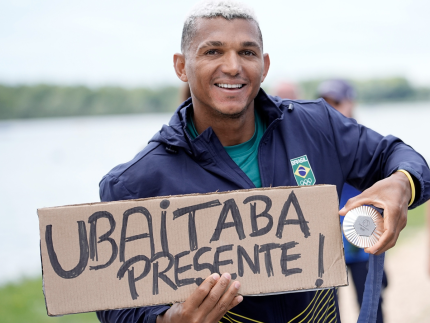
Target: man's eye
248, 53
212, 52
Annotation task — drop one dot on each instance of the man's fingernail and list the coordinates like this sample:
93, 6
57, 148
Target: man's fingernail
215, 276
226, 275
240, 298
376, 251
342, 209
237, 285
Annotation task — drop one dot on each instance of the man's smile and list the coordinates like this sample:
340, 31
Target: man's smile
230, 86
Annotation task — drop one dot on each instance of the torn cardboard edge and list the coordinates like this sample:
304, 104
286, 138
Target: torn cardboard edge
184, 195
59, 291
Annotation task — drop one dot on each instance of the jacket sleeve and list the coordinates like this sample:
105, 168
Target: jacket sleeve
136, 315
366, 156
112, 189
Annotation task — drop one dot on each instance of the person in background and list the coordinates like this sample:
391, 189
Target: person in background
287, 90
428, 237
341, 95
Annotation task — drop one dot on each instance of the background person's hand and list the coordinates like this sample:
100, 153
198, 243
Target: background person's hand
207, 304
393, 195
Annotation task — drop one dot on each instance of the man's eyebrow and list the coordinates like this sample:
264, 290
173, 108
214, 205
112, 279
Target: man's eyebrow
250, 44
212, 43
216, 43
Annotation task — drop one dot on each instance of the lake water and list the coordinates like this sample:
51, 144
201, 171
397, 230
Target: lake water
51, 162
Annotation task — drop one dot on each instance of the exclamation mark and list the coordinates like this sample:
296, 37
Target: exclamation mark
319, 281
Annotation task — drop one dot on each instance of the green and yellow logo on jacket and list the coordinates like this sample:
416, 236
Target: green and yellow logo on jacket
302, 171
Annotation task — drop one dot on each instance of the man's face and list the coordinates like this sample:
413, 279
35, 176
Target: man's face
225, 65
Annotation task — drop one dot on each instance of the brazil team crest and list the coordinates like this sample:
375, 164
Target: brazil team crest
302, 171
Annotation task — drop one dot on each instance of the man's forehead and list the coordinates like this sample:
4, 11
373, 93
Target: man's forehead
219, 32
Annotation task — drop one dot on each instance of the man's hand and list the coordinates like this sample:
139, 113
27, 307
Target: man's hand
393, 195
207, 304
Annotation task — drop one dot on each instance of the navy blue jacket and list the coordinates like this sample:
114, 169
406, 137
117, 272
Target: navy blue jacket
338, 149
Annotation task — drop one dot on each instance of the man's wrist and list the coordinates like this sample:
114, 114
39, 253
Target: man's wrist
160, 318
411, 183
161, 315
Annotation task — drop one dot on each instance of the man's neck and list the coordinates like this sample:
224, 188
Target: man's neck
230, 131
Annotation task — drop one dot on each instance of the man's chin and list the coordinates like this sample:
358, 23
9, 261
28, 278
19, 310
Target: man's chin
231, 112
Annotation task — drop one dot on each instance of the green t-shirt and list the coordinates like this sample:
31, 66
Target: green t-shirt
245, 155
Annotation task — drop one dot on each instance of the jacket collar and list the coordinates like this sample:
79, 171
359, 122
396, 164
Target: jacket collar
175, 133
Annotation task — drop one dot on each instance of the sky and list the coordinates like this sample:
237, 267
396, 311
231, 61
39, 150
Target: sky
131, 43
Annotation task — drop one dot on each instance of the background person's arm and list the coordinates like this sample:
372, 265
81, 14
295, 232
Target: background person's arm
428, 236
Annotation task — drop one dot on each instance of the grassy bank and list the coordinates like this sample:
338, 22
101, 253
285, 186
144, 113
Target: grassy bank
24, 302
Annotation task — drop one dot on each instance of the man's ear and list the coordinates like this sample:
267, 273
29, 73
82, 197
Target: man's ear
179, 65
266, 60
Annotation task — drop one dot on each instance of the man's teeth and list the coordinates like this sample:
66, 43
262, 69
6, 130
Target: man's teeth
230, 86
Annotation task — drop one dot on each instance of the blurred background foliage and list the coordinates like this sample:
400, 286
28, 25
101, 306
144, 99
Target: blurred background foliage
375, 91
39, 101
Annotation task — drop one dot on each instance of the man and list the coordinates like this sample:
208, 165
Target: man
287, 90
231, 135
341, 96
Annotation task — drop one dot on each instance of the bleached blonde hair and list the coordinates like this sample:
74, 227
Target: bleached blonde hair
228, 9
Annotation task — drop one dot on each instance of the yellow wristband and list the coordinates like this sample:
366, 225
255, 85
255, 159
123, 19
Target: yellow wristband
411, 181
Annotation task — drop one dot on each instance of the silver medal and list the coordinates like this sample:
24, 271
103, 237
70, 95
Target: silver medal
363, 226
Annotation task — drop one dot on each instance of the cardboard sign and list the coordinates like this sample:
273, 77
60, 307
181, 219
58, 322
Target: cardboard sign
156, 251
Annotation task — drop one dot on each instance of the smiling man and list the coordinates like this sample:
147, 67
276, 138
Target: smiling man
231, 135
223, 62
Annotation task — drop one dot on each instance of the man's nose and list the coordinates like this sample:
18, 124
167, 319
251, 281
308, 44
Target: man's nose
231, 64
